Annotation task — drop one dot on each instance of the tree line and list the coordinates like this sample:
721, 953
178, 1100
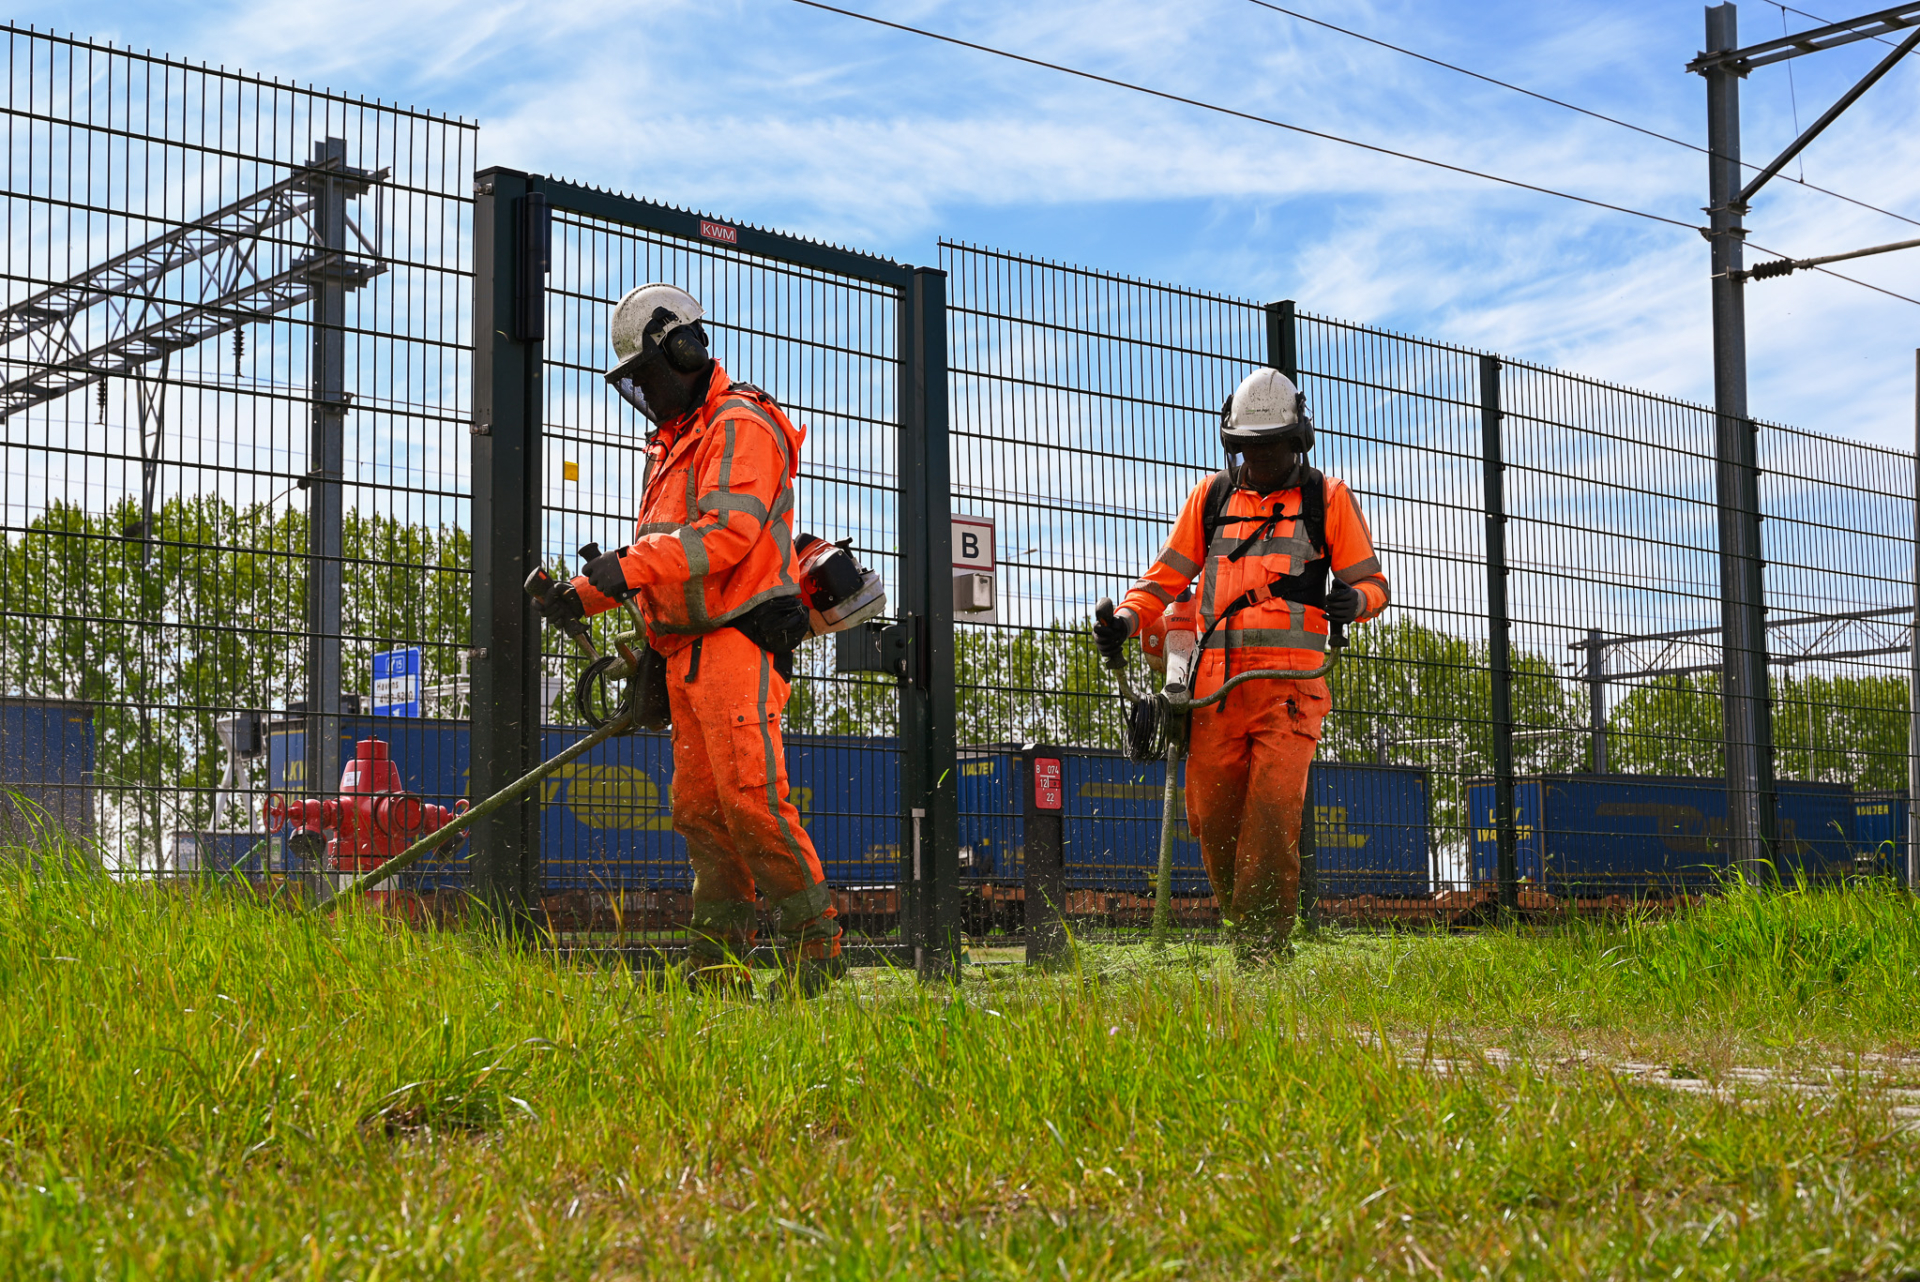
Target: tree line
211, 618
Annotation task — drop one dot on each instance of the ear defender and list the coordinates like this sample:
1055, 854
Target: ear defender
686, 349
1305, 434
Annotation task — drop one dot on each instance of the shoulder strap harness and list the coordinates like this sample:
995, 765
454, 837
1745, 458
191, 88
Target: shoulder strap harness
1309, 586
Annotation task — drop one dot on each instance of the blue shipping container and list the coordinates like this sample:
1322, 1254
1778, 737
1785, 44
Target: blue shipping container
606, 818
47, 762
1607, 834
991, 829
1880, 829
1370, 828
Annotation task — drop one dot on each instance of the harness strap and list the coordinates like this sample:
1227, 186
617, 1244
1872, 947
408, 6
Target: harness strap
1309, 587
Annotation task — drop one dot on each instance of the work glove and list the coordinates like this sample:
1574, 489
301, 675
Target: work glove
1110, 634
561, 605
615, 575
1344, 602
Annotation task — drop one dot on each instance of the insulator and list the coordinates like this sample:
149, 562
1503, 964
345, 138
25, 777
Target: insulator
1767, 271
239, 348
101, 396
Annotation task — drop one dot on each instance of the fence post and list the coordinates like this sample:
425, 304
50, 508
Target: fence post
326, 468
1597, 699
1043, 843
1283, 354
1913, 675
508, 328
1499, 652
929, 786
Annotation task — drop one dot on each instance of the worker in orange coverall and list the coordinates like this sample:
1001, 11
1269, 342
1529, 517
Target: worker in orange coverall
712, 562
1261, 538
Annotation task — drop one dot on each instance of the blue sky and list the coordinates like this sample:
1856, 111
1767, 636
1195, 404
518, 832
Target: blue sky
765, 111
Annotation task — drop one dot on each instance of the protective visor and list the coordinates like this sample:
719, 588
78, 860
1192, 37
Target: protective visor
630, 393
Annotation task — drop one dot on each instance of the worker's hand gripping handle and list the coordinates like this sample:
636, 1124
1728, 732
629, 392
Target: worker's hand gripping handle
540, 586
1104, 613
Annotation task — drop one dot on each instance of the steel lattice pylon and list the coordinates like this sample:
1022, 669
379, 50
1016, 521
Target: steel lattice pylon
248, 261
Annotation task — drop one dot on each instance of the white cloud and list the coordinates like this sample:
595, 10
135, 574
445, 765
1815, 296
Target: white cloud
788, 116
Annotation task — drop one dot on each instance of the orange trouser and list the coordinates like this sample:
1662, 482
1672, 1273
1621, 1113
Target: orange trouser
730, 800
1246, 785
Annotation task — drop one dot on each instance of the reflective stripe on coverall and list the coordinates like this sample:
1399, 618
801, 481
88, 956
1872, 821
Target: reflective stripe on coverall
1247, 769
730, 800
714, 538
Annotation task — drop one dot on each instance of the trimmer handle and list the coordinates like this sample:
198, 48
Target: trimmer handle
1104, 613
539, 585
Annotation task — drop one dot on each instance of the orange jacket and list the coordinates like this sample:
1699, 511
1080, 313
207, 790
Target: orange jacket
714, 537
1273, 633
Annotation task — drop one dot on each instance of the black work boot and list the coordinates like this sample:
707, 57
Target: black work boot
726, 976
1261, 941
803, 977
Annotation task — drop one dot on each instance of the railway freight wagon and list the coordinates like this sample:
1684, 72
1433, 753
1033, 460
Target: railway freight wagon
46, 766
1880, 832
606, 818
1631, 834
1370, 824
991, 830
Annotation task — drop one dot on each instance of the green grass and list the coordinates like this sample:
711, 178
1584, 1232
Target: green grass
195, 1085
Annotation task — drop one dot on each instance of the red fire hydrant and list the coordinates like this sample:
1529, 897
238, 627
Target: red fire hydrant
372, 820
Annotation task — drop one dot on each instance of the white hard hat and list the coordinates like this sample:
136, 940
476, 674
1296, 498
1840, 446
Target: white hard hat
1265, 407
649, 311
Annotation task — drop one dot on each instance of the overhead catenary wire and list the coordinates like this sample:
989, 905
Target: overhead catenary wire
1313, 133
1575, 107
1247, 115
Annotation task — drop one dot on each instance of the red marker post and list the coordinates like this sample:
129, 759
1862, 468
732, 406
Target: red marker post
1045, 841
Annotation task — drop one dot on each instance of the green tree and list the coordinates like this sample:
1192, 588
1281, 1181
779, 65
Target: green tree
1410, 694
1834, 729
210, 622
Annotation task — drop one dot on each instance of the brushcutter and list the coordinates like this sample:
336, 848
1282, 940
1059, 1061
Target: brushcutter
607, 710
1168, 714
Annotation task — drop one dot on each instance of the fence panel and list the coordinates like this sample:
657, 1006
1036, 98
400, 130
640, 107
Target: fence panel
1838, 532
1085, 408
234, 375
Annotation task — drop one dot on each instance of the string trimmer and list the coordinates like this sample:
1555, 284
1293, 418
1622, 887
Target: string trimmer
609, 714
1171, 707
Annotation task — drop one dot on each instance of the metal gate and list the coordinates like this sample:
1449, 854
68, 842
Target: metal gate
233, 361
852, 346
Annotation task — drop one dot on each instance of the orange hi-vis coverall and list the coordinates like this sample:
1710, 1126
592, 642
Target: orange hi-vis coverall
1247, 767
713, 540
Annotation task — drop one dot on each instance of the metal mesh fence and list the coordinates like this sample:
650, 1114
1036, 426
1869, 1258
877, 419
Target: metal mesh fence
234, 443
237, 536
1086, 408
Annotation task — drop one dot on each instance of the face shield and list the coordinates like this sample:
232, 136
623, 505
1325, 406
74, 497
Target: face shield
630, 392
649, 383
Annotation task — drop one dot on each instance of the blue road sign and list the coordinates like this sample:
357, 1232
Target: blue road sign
396, 683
